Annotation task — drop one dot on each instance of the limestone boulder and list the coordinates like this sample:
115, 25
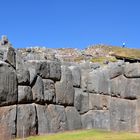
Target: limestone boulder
118, 86
115, 69
97, 119
42, 119
132, 70
8, 85
38, 90
45, 68
125, 88
73, 118
8, 52
25, 94
64, 89
8, 122
49, 90
57, 118
122, 115
81, 101
99, 102
76, 74
26, 120
98, 82
23, 76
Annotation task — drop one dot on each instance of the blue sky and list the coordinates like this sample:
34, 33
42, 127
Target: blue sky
70, 23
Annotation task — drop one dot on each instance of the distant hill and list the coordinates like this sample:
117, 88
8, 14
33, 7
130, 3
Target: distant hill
93, 53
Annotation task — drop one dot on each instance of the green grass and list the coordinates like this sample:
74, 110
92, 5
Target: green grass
103, 59
88, 135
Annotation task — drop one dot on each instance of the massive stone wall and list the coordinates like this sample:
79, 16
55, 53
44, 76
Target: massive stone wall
47, 96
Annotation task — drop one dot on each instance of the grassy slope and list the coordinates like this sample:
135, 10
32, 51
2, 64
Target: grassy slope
89, 135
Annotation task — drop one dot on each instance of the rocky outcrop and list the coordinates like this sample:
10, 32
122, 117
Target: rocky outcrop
46, 96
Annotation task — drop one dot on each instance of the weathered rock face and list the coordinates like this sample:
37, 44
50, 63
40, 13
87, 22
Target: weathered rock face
26, 120
76, 74
42, 119
57, 118
81, 101
73, 118
8, 122
122, 115
40, 95
64, 89
23, 76
38, 90
25, 94
46, 69
8, 52
49, 90
98, 82
8, 85
132, 70
96, 119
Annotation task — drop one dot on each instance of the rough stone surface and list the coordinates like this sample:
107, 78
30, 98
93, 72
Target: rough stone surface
26, 120
122, 115
84, 78
73, 118
81, 101
99, 102
8, 85
118, 86
49, 90
115, 70
23, 76
42, 117
98, 119
132, 70
25, 94
64, 89
76, 73
57, 118
98, 82
38, 90
7, 122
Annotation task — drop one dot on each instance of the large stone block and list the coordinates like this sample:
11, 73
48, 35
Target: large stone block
45, 68
118, 86
81, 101
57, 118
23, 76
99, 102
25, 94
38, 90
125, 88
26, 120
8, 85
49, 90
98, 119
132, 90
64, 89
76, 74
132, 70
42, 120
115, 69
8, 53
122, 115
8, 122
98, 82
73, 118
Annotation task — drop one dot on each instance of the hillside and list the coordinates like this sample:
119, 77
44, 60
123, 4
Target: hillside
95, 53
